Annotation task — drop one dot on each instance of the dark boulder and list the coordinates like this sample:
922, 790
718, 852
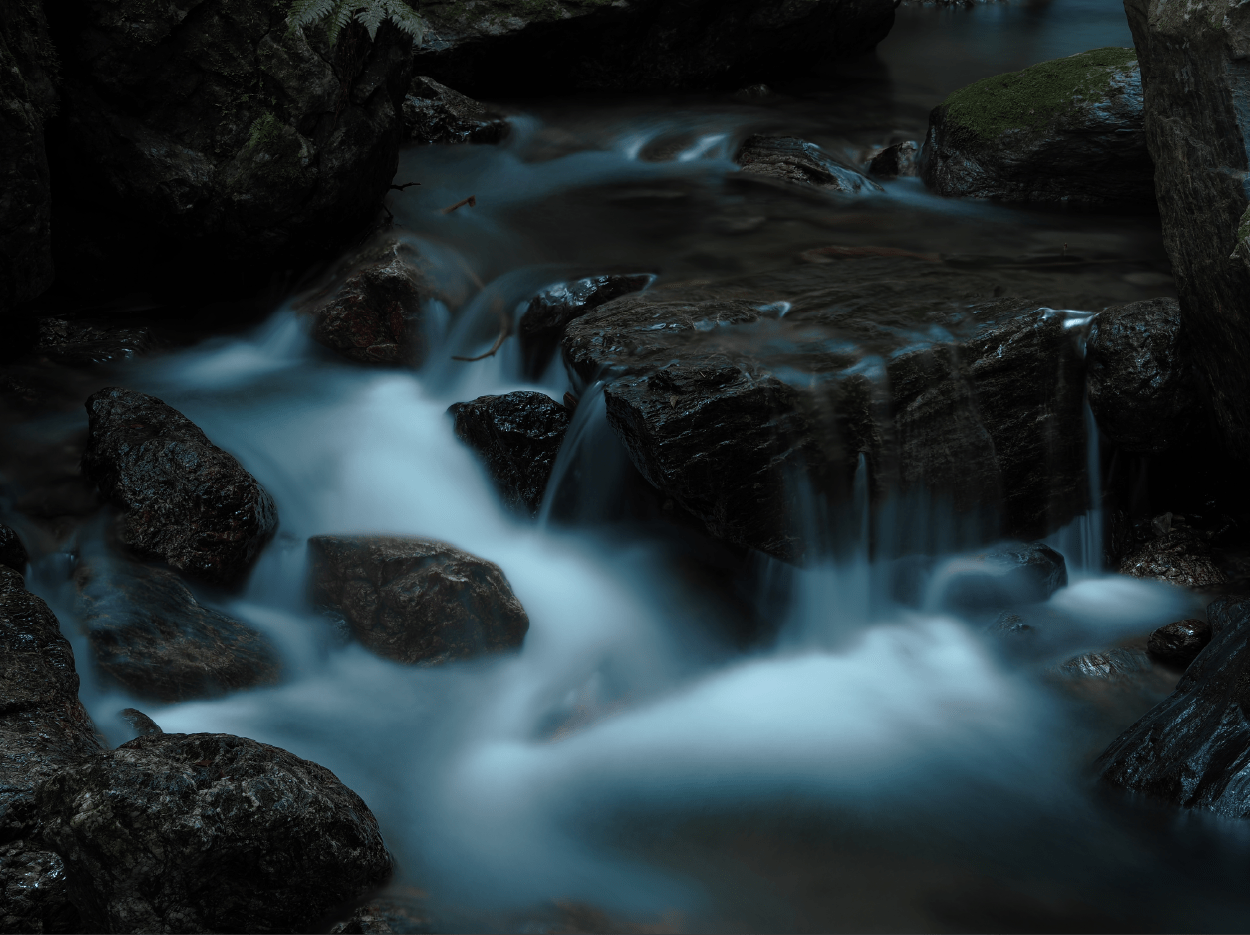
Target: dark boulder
1006, 575
1139, 383
375, 317
416, 600
1226, 611
1069, 130
1175, 553
386, 915
1178, 643
12, 552
185, 501
153, 638
209, 833
34, 894
548, 313
789, 159
1118, 664
1191, 749
896, 160
84, 342
518, 436
434, 113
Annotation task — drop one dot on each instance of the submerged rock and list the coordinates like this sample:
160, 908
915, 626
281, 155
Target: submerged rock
518, 436
416, 600
209, 833
789, 159
1007, 574
151, 636
896, 160
186, 501
1112, 665
1178, 643
12, 552
1069, 130
1139, 383
548, 313
376, 316
434, 113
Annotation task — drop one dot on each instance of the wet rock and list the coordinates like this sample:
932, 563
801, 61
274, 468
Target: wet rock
1139, 383
638, 44
1111, 665
224, 136
548, 313
186, 501
12, 552
209, 833
384, 915
76, 343
789, 159
1200, 154
1006, 575
34, 894
376, 316
434, 113
1226, 611
896, 160
1191, 748
416, 600
518, 436
1176, 554
1178, 643
153, 638
1009, 624
1069, 130
139, 722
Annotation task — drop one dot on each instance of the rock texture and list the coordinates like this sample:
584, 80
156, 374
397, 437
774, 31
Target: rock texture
151, 636
434, 113
1178, 643
1176, 553
34, 891
898, 159
518, 436
789, 159
1195, 80
416, 600
209, 833
1140, 387
549, 312
639, 44
1193, 749
376, 316
12, 552
79, 342
1006, 575
185, 501
1063, 131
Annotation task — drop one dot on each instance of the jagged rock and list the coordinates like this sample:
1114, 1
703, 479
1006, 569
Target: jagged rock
1191, 749
518, 436
416, 600
1112, 665
209, 833
1177, 555
434, 113
793, 160
639, 44
151, 636
1139, 383
548, 313
12, 552
89, 342
34, 894
1008, 574
896, 160
1069, 130
1178, 643
186, 501
375, 317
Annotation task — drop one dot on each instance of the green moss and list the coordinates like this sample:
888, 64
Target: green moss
1029, 99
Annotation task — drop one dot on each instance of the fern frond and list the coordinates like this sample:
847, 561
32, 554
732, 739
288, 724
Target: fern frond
371, 18
307, 12
369, 13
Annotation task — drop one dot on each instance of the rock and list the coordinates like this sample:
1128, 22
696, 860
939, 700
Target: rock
384, 915
639, 44
1178, 643
76, 342
416, 600
12, 552
151, 636
222, 136
1068, 130
518, 435
1009, 624
376, 316
1008, 574
1226, 611
34, 894
1200, 155
896, 160
434, 113
1112, 665
186, 501
1191, 748
139, 722
793, 160
548, 313
1177, 555
209, 833
1139, 382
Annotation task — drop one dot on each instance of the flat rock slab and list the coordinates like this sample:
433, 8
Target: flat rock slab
789, 159
186, 502
416, 600
209, 833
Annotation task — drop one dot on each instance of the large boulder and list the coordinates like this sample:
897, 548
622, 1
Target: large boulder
209, 833
153, 638
415, 600
375, 317
789, 159
1173, 552
639, 44
1195, 82
434, 113
1139, 381
1063, 131
518, 436
185, 501
214, 133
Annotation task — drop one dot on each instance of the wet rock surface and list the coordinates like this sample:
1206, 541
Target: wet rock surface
896, 160
1110, 665
387, 915
1174, 553
209, 832
517, 436
1069, 130
152, 637
84, 342
1180, 642
416, 600
12, 552
34, 891
140, 723
1139, 383
1008, 574
789, 159
434, 113
376, 316
185, 501
548, 313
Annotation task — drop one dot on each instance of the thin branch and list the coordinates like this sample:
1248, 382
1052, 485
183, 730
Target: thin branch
400, 188
505, 328
471, 201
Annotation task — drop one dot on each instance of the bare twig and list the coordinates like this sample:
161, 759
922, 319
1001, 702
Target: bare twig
471, 201
400, 188
505, 328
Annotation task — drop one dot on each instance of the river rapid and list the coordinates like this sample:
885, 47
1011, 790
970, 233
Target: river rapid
684, 743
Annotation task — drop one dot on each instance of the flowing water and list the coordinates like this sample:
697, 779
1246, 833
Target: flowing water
638, 764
